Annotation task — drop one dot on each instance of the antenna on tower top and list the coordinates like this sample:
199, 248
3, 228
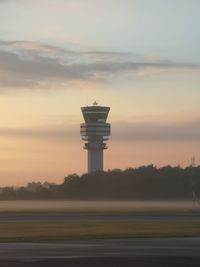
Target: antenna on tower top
95, 103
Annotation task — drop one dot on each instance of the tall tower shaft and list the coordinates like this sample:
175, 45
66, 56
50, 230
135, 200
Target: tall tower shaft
95, 131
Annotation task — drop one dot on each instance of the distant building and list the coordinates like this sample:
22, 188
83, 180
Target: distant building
95, 131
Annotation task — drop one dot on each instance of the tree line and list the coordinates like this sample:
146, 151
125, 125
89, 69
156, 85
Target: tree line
142, 183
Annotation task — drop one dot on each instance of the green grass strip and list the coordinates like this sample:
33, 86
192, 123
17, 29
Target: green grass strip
49, 231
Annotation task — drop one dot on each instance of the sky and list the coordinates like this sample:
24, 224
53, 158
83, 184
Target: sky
140, 57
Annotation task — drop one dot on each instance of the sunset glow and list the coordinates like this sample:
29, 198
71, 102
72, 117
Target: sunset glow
140, 59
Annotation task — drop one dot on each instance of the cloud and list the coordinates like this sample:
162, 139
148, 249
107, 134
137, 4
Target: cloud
29, 64
27, 46
127, 131
121, 131
48, 133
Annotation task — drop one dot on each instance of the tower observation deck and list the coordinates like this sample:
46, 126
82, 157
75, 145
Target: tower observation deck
95, 131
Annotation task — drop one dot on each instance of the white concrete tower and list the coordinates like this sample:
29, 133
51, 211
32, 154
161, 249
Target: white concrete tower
95, 131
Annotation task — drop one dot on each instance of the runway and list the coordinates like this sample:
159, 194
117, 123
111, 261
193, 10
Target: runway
91, 216
116, 252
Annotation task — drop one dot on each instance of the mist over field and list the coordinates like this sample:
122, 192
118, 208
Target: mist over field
94, 206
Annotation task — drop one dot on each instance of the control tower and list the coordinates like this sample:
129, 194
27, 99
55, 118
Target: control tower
95, 131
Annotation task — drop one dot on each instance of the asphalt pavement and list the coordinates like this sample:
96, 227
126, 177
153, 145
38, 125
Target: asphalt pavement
91, 216
135, 252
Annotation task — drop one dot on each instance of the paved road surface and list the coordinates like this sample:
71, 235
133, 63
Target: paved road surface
77, 216
152, 252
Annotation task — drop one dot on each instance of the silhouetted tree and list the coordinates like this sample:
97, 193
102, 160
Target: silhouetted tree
142, 183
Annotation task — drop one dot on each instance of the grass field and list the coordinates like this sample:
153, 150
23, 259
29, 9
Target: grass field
46, 231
